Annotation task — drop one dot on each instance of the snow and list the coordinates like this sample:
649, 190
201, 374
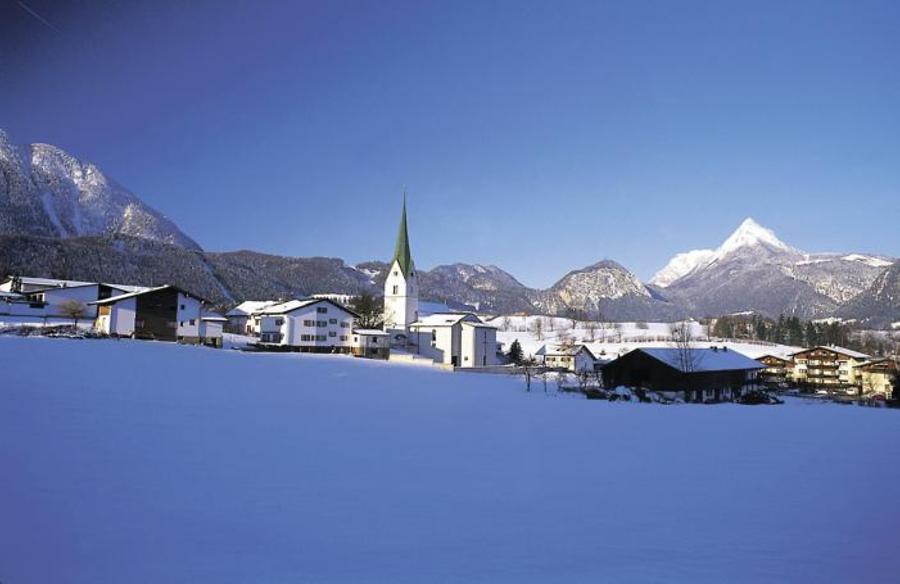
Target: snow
168, 463
703, 359
748, 234
868, 260
248, 307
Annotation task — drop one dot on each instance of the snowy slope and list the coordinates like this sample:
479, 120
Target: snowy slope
184, 464
47, 192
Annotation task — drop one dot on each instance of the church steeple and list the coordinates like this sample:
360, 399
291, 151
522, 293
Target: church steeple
402, 253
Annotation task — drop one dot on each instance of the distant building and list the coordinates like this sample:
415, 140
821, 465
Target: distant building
212, 327
827, 366
164, 313
778, 369
695, 375
458, 339
310, 325
243, 319
342, 299
880, 376
401, 287
575, 358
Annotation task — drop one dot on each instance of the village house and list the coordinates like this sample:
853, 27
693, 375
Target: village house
457, 339
243, 319
574, 358
212, 327
164, 313
370, 343
827, 366
52, 300
778, 369
694, 375
880, 377
310, 325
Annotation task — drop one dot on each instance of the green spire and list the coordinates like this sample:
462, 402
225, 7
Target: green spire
401, 250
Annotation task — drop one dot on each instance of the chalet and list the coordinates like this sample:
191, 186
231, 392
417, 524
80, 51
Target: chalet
827, 366
880, 376
311, 325
164, 313
457, 339
694, 375
777, 369
243, 319
575, 358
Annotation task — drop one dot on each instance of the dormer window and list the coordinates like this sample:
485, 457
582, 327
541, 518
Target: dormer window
396, 273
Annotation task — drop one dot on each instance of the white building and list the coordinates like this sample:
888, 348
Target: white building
575, 358
371, 343
458, 339
53, 300
165, 313
401, 288
243, 319
311, 325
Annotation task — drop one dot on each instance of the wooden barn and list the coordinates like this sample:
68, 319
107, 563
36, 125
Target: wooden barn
694, 375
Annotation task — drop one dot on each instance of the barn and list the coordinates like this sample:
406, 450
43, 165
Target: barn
695, 375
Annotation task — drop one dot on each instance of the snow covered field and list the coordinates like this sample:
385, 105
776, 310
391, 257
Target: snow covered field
610, 340
139, 462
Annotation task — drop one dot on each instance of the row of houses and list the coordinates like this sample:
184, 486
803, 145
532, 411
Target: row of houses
164, 313
835, 368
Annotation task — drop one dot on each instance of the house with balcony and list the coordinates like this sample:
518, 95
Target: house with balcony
313, 325
827, 367
777, 370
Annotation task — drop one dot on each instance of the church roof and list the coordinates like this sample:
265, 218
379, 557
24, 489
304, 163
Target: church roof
402, 254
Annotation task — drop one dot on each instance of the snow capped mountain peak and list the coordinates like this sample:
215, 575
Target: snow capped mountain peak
681, 265
751, 234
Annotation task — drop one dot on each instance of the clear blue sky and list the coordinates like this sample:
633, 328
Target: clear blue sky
538, 136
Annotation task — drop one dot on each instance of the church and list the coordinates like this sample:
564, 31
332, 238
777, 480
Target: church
455, 339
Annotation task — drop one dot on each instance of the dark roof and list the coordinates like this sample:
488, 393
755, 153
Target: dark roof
402, 253
114, 299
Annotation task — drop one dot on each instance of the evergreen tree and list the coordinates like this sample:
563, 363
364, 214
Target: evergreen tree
515, 353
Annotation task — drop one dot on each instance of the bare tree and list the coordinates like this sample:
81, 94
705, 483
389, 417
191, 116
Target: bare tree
538, 328
683, 341
73, 309
505, 323
591, 327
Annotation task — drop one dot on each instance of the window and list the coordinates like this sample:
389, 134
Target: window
374, 340
396, 289
396, 273
181, 323
355, 339
278, 321
320, 337
345, 324
309, 323
193, 322
343, 337
332, 320
321, 323
321, 309
332, 334
182, 307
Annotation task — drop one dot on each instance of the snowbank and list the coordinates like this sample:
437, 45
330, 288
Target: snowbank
140, 462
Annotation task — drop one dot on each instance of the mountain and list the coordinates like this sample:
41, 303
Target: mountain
879, 305
754, 270
46, 192
606, 288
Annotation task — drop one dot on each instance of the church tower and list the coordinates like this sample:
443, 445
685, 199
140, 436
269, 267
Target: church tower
401, 288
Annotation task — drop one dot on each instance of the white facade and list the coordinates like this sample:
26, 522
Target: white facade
371, 343
313, 325
577, 359
401, 299
117, 318
244, 318
162, 316
461, 340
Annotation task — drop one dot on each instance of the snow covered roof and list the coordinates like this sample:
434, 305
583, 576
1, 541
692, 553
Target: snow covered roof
248, 307
292, 305
836, 349
50, 282
445, 319
370, 332
565, 350
704, 359
212, 317
4, 294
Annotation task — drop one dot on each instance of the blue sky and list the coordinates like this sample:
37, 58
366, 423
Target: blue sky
537, 136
